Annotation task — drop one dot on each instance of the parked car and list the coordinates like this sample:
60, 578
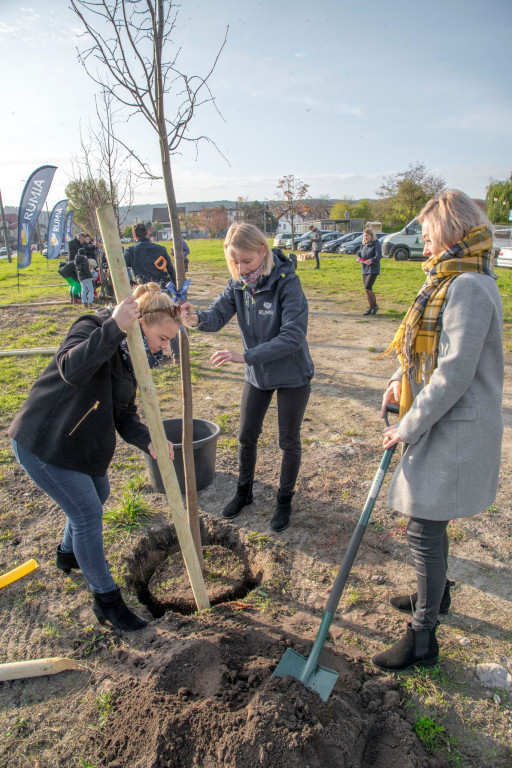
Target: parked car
298, 239
504, 258
333, 245
304, 240
280, 238
353, 246
406, 244
3, 250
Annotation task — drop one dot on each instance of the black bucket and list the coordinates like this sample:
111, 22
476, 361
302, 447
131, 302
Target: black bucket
205, 435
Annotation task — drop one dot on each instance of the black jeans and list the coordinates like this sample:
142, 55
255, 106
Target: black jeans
291, 404
428, 542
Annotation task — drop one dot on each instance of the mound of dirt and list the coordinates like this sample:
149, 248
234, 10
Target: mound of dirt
207, 699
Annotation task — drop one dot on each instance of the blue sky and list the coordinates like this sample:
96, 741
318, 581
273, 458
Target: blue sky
337, 93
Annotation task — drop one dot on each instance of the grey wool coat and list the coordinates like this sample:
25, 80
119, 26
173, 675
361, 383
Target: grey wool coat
454, 428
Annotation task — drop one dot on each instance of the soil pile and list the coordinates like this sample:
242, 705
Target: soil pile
208, 699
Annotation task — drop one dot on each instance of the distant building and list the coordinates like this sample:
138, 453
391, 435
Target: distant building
284, 224
11, 221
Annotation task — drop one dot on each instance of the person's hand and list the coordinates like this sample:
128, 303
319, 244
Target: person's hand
391, 437
391, 395
153, 454
126, 313
188, 314
367, 261
222, 356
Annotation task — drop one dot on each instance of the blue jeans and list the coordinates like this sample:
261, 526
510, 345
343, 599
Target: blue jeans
87, 291
81, 497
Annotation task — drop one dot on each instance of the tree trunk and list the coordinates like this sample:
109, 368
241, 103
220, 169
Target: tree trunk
189, 470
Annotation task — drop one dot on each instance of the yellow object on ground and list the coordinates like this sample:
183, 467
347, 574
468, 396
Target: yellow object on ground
17, 573
16, 670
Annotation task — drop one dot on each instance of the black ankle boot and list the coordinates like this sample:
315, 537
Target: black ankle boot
66, 561
407, 603
242, 497
417, 648
281, 518
110, 606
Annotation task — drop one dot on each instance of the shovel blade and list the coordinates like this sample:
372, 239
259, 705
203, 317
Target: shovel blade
321, 680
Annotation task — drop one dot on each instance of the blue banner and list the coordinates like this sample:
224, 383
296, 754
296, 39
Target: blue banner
68, 227
31, 203
56, 229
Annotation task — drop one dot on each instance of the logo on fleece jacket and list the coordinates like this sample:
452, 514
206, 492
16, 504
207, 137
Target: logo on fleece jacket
267, 309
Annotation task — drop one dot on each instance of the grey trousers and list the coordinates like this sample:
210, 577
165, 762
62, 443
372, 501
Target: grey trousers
428, 542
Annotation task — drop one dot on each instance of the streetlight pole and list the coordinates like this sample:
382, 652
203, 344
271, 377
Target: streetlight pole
495, 210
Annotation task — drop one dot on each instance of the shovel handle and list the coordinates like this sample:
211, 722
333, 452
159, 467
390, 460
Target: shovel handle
355, 541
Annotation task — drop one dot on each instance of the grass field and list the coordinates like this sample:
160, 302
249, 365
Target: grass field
341, 275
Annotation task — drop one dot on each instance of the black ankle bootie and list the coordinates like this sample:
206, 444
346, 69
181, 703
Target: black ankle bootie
407, 603
242, 497
110, 606
417, 648
281, 518
66, 561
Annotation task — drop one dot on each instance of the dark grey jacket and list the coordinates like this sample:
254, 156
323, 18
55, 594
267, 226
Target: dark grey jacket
373, 251
150, 262
273, 321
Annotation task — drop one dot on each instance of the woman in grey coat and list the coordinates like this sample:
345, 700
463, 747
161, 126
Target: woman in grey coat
449, 386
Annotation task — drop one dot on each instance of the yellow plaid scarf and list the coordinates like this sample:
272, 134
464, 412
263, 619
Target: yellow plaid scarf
416, 341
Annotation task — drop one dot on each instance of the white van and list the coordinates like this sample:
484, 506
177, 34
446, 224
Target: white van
406, 244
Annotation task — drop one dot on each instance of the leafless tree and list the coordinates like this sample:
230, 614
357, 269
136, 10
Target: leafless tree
131, 42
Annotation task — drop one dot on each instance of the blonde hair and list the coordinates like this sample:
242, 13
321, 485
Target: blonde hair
155, 306
369, 231
246, 238
451, 216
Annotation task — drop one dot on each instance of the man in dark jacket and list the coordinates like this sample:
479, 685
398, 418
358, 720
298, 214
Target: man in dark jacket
149, 261
74, 244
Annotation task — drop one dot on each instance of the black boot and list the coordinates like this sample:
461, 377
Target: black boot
407, 603
66, 561
110, 606
281, 518
417, 648
240, 500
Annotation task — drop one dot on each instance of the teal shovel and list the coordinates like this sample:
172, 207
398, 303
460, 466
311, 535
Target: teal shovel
308, 671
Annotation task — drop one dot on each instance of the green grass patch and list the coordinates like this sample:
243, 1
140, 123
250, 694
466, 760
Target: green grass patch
131, 513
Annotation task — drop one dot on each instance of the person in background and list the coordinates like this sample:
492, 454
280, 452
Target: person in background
149, 261
266, 296
67, 270
64, 436
84, 274
74, 244
316, 244
186, 252
370, 255
449, 386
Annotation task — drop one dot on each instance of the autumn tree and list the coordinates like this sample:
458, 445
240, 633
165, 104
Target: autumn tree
406, 192
212, 220
188, 221
290, 197
340, 208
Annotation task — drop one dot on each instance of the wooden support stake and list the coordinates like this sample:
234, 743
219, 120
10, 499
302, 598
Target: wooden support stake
115, 258
28, 352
